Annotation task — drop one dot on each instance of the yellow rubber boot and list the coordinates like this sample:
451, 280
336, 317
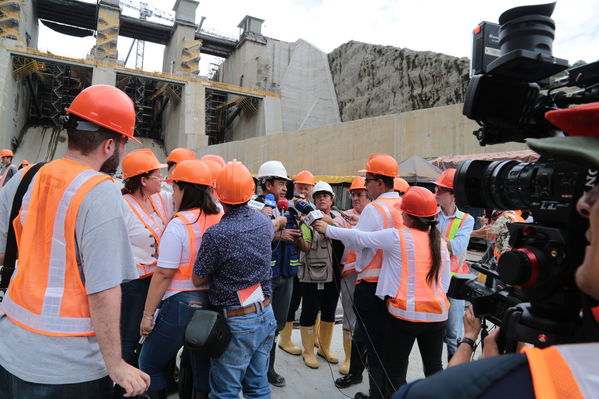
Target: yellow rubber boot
317, 331
325, 337
308, 344
285, 341
344, 367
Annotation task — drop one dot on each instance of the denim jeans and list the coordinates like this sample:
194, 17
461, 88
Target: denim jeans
455, 324
133, 300
244, 364
166, 339
12, 387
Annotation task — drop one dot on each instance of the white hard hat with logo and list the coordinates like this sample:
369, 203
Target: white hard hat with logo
323, 186
272, 169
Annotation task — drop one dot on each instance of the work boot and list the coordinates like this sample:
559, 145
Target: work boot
273, 377
361, 395
325, 337
344, 367
356, 367
285, 341
317, 331
308, 344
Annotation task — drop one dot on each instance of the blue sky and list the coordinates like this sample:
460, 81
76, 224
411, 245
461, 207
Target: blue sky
426, 25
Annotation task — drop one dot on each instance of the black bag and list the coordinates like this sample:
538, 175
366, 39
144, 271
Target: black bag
207, 333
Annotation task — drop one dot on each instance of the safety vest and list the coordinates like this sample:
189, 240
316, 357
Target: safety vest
415, 299
155, 228
514, 218
450, 232
196, 223
349, 264
46, 294
389, 210
163, 201
4, 175
564, 371
316, 266
285, 257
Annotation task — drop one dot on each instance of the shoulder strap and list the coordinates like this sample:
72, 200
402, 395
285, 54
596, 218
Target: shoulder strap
10, 253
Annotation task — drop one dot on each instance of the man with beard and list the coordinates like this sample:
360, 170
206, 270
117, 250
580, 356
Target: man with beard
59, 320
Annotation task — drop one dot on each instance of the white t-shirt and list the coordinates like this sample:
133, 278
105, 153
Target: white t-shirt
105, 261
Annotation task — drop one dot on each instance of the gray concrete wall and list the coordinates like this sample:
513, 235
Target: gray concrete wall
14, 102
184, 123
343, 148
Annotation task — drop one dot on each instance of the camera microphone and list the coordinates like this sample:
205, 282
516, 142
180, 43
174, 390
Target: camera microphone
308, 210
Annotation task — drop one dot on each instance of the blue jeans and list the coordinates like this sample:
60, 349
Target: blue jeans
244, 364
133, 300
12, 387
455, 324
166, 339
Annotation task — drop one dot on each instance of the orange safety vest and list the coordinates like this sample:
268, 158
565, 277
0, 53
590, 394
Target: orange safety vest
155, 228
4, 174
196, 223
564, 371
450, 232
514, 218
165, 204
349, 264
389, 210
46, 294
415, 299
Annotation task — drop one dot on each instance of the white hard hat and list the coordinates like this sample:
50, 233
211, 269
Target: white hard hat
323, 186
273, 169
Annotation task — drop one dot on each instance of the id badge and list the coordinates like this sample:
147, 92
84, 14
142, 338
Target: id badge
250, 295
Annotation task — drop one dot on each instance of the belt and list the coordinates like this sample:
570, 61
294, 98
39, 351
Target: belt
253, 308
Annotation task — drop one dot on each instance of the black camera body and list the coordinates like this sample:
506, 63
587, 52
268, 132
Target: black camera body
531, 292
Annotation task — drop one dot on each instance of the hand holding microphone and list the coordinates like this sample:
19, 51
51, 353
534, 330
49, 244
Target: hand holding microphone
308, 210
270, 203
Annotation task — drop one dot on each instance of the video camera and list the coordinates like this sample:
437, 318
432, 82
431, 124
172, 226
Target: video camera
535, 299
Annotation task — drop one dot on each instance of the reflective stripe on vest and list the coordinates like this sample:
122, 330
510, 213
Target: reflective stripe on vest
450, 232
150, 224
389, 210
4, 174
349, 264
564, 371
163, 205
195, 223
415, 299
46, 294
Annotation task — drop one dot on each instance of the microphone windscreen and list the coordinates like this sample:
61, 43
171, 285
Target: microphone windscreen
304, 207
270, 200
282, 203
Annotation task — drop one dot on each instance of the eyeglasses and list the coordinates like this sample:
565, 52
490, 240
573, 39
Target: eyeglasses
367, 179
443, 190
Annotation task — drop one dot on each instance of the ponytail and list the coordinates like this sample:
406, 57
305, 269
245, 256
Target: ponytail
434, 237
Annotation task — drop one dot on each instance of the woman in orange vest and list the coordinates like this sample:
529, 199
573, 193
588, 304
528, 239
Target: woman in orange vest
172, 287
413, 280
145, 221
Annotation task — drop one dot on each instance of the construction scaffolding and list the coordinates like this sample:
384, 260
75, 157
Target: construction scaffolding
222, 111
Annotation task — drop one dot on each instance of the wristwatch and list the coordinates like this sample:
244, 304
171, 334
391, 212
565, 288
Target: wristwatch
467, 341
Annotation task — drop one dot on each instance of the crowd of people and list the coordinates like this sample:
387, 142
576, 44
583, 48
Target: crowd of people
107, 281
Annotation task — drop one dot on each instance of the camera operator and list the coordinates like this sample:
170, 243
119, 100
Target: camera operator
273, 179
455, 227
561, 371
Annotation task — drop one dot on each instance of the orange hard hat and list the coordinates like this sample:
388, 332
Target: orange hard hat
24, 162
305, 177
381, 164
181, 154
216, 158
192, 171
234, 184
400, 185
140, 161
106, 106
6, 153
358, 184
214, 167
445, 180
420, 202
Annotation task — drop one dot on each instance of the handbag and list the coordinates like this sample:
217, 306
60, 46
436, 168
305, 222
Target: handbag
207, 333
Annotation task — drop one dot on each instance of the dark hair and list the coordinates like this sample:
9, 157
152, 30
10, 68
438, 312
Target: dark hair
170, 165
133, 183
85, 142
196, 196
434, 238
387, 181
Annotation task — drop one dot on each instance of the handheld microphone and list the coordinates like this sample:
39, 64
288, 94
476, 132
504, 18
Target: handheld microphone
270, 201
282, 204
342, 213
257, 204
308, 210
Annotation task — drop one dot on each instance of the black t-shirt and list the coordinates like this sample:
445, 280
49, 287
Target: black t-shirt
499, 377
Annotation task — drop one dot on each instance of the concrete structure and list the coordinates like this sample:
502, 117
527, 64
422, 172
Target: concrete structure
342, 149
